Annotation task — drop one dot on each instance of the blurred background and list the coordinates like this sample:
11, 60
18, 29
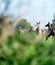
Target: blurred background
33, 10
23, 32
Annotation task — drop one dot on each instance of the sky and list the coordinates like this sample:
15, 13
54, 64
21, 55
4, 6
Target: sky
32, 10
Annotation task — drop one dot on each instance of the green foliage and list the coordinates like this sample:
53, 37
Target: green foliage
53, 25
27, 49
1, 19
0, 31
24, 25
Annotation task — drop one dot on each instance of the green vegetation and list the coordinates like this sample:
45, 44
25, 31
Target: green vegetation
0, 31
27, 49
24, 24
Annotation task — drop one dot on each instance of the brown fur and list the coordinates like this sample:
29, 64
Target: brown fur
39, 30
21, 31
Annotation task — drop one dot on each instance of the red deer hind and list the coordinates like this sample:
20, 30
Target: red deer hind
39, 31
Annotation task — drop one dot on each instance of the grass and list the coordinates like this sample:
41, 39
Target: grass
27, 49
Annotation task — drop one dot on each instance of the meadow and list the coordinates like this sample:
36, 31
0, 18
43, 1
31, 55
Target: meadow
27, 49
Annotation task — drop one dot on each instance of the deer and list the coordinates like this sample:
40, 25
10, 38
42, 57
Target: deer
38, 29
51, 30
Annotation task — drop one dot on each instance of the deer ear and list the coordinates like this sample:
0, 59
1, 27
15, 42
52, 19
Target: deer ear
48, 21
39, 22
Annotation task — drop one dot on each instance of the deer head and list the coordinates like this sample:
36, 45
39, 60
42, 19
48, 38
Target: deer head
37, 24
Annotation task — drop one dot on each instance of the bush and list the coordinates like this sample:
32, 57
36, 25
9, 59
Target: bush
0, 31
27, 49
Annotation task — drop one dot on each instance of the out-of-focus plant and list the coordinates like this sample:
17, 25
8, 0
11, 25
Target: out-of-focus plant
27, 49
0, 31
